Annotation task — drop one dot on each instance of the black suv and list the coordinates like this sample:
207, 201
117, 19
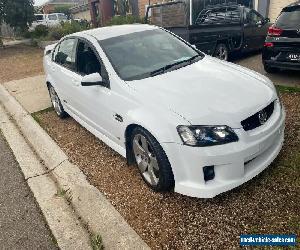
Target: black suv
282, 45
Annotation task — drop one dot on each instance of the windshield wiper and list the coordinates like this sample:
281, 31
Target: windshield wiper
168, 66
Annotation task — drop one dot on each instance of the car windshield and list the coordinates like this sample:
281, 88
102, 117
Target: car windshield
289, 19
144, 54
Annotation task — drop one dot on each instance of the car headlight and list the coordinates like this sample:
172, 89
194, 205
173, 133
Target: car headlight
203, 136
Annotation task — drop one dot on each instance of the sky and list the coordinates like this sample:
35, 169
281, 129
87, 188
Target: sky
39, 2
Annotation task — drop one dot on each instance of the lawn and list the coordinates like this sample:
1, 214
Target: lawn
267, 204
20, 61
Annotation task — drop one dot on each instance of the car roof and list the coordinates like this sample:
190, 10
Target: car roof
116, 30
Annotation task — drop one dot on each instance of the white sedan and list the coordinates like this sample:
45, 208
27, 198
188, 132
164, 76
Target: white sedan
190, 122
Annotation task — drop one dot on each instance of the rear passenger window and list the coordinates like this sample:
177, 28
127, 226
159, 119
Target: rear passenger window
66, 54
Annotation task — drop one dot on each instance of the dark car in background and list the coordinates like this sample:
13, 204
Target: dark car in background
217, 30
282, 45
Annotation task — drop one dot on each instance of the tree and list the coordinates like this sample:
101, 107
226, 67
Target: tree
18, 14
63, 9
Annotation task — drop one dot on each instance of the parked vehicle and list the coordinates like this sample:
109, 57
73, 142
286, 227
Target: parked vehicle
187, 119
282, 45
217, 30
49, 20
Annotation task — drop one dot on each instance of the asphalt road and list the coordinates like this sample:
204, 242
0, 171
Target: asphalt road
253, 61
22, 226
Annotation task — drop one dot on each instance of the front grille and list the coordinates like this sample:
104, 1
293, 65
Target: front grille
255, 121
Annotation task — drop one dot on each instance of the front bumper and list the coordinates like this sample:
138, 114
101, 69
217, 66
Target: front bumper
234, 163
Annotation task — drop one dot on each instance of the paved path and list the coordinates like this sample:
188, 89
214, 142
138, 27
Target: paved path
17, 42
22, 225
31, 92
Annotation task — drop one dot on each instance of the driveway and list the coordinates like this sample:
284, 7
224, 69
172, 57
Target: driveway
254, 62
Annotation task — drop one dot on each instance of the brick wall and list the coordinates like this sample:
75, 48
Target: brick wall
142, 4
169, 16
48, 8
276, 7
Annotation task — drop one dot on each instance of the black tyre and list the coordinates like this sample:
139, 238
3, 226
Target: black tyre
151, 160
270, 70
56, 103
222, 52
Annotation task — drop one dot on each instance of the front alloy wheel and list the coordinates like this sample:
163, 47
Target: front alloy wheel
151, 160
146, 160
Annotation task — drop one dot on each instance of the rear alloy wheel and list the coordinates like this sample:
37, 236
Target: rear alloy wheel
221, 52
56, 103
152, 161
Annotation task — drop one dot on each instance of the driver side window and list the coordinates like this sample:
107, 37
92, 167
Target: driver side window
87, 61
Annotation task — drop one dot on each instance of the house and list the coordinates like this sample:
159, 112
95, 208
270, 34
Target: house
271, 8
81, 11
51, 5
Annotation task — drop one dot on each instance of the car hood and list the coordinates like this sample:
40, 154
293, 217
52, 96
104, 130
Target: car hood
208, 92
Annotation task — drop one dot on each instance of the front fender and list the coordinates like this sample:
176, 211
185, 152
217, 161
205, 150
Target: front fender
162, 125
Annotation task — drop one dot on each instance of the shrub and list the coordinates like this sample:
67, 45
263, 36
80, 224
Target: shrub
40, 31
66, 28
129, 19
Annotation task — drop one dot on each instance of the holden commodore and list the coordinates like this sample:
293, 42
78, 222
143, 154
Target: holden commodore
190, 122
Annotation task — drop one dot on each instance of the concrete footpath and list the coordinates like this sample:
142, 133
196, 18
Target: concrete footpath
22, 225
75, 211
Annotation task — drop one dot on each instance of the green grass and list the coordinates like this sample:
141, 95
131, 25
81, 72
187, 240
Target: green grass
287, 89
35, 114
96, 242
61, 192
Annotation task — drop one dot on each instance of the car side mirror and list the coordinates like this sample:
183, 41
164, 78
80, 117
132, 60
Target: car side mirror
94, 79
